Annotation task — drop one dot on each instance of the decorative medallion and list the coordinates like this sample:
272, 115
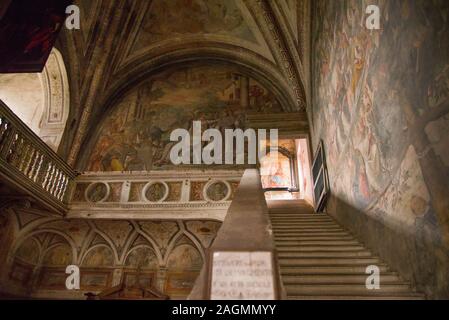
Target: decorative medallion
155, 191
216, 191
97, 192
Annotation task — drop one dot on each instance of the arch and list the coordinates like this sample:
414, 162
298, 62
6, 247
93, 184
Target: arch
56, 254
106, 238
143, 67
134, 250
153, 243
29, 251
96, 249
172, 245
69, 240
183, 258
44, 104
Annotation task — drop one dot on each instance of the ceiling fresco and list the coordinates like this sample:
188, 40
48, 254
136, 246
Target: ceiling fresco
125, 40
197, 17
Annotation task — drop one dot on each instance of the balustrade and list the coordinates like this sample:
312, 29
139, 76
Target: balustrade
29, 163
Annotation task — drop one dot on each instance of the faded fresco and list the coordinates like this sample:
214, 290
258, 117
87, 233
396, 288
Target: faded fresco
165, 254
199, 17
136, 136
369, 85
381, 105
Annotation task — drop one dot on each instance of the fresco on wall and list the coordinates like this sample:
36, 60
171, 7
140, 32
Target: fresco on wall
168, 19
217, 191
136, 135
167, 254
61, 255
205, 231
369, 88
100, 256
184, 256
160, 231
276, 170
142, 257
29, 251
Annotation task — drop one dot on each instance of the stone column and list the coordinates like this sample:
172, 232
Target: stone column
117, 277
161, 278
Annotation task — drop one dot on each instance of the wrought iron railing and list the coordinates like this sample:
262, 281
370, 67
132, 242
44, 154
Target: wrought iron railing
30, 165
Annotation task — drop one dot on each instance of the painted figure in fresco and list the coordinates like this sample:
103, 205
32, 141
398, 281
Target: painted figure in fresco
366, 141
156, 192
136, 136
98, 257
217, 191
97, 193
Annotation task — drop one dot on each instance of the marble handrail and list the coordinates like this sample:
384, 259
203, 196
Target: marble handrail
30, 165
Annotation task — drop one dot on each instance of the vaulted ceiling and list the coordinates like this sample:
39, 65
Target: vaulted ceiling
122, 43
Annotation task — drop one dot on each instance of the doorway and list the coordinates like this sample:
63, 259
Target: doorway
285, 171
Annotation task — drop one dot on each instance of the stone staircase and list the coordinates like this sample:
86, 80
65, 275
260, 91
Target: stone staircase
318, 259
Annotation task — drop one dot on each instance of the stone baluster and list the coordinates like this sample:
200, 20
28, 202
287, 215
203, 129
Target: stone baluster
21, 165
37, 167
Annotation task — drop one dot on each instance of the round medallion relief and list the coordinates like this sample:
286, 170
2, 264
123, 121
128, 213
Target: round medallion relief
97, 192
217, 191
156, 191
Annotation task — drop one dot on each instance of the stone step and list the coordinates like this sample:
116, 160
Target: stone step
353, 269
330, 249
312, 231
296, 212
315, 242
319, 259
312, 221
309, 228
281, 224
311, 237
315, 227
388, 278
345, 289
288, 203
301, 220
327, 261
301, 209
297, 235
325, 254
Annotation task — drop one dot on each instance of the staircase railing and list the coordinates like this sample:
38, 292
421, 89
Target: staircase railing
29, 165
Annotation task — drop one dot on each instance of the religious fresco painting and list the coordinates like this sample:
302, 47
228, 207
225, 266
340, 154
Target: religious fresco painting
136, 135
364, 99
167, 254
199, 17
381, 108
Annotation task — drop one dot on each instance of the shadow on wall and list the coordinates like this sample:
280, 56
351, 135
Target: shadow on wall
418, 258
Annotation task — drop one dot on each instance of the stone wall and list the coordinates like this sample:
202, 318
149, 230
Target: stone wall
381, 106
166, 254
